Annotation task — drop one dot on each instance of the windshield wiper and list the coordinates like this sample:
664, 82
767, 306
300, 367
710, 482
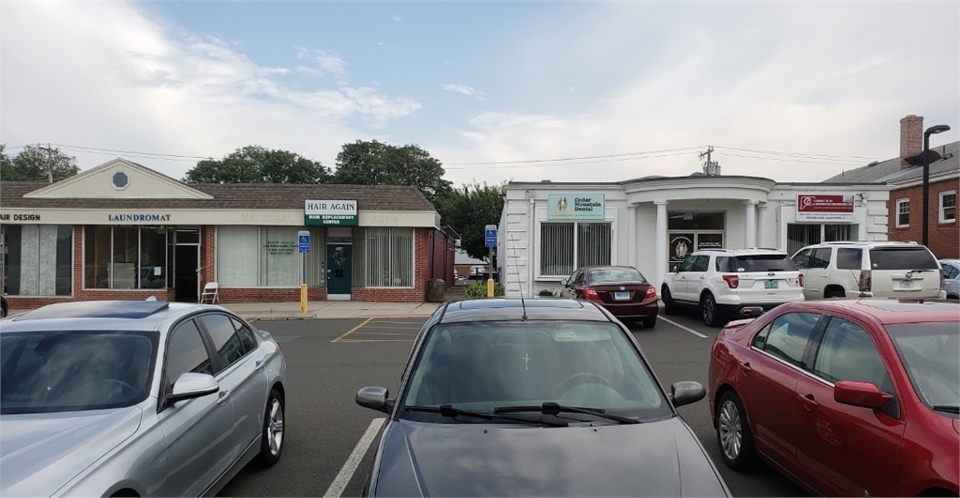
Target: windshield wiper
551, 408
947, 408
453, 412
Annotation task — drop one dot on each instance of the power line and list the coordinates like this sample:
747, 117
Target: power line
799, 154
794, 160
563, 159
601, 161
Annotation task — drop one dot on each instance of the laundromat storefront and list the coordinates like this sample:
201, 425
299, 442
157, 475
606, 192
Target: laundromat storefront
123, 231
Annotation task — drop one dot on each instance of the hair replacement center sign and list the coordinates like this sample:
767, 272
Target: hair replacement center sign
342, 213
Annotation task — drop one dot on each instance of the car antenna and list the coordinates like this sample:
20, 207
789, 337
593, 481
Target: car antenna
863, 293
516, 266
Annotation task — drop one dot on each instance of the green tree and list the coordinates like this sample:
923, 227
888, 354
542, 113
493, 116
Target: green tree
469, 209
36, 164
377, 163
256, 164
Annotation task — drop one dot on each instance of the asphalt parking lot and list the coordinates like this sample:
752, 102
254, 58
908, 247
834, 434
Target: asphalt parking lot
331, 441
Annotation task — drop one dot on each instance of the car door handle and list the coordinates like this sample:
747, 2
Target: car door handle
259, 364
701, 278
747, 368
223, 397
808, 401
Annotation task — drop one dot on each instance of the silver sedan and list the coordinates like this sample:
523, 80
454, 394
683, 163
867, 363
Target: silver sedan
135, 398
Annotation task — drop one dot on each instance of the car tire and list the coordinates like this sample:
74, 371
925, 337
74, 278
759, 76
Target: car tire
669, 306
649, 323
733, 433
835, 293
709, 311
272, 438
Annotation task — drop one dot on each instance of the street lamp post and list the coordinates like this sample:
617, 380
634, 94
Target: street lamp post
926, 177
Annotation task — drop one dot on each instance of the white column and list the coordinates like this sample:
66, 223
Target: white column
661, 251
763, 238
750, 232
632, 235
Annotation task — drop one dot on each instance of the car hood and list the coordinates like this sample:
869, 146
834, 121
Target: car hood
41, 452
652, 459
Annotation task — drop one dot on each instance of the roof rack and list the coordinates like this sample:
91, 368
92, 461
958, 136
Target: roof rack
841, 242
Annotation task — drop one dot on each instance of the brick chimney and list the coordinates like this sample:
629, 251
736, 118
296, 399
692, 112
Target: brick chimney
911, 138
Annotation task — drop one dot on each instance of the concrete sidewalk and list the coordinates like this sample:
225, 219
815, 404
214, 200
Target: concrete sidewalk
331, 309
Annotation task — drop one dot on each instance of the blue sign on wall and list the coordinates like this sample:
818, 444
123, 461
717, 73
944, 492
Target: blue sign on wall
490, 236
303, 238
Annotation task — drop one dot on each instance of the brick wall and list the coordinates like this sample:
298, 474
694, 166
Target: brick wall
416, 294
944, 238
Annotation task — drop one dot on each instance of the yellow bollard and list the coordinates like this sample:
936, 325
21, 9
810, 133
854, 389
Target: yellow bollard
303, 298
489, 287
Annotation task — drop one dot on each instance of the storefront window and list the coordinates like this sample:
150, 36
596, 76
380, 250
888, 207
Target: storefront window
37, 260
125, 257
267, 257
383, 257
801, 235
565, 247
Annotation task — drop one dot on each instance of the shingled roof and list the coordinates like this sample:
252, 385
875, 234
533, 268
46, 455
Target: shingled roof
889, 171
235, 196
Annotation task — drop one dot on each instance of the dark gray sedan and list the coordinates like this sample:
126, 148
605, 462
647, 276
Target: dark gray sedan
543, 398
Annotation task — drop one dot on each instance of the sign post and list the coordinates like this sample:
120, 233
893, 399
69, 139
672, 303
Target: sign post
303, 241
490, 237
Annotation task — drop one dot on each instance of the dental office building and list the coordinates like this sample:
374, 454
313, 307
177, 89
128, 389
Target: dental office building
124, 231
548, 229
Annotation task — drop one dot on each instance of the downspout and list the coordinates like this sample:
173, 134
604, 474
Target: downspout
531, 233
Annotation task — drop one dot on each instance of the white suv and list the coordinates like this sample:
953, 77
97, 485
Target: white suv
728, 283
869, 269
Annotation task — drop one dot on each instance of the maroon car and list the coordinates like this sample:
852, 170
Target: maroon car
846, 397
622, 290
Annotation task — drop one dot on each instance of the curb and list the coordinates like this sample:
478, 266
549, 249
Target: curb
410, 315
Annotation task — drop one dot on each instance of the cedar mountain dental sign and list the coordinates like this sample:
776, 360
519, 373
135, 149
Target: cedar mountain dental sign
343, 213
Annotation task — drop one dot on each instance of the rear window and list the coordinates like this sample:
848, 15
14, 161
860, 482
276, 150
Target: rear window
615, 275
913, 258
760, 262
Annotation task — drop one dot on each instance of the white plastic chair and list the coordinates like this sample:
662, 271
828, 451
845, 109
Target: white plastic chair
212, 291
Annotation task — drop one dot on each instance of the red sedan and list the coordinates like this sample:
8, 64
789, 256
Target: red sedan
621, 290
850, 397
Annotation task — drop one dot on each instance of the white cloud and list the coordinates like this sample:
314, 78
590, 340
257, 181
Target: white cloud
103, 75
469, 91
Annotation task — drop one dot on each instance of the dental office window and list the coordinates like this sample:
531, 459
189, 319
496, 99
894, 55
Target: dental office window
383, 257
37, 260
125, 257
948, 206
251, 256
564, 247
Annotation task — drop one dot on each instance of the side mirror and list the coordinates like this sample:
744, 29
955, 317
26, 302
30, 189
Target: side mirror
375, 398
192, 385
673, 268
862, 394
686, 392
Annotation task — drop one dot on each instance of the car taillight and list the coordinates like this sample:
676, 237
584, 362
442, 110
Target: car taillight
651, 291
732, 280
590, 293
866, 280
800, 280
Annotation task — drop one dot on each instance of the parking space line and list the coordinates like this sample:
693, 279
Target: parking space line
358, 327
377, 340
683, 327
353, 461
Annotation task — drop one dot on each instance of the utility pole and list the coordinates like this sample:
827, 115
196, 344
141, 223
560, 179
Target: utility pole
707, 153
49, 150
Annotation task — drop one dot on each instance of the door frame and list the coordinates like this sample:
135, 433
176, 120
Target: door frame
328, 267
197, 269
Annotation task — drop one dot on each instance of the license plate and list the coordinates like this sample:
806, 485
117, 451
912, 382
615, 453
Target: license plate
906, 284
771, 284
621, 296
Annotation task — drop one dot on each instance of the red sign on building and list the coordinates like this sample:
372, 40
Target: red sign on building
825, 207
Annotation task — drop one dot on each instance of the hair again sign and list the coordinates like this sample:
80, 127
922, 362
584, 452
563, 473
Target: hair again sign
343, 213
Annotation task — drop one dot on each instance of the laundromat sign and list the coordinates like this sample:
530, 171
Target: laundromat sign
342, 213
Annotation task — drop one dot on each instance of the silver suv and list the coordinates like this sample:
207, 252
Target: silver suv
869, 269
728, 283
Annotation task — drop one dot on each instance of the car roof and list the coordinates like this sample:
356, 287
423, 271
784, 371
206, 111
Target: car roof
891, 311
511, 309
108, 315
868, 243
741, 252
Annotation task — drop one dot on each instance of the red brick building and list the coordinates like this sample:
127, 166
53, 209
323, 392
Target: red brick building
905, 206
123, 231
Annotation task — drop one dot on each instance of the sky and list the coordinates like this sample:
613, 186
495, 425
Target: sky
497, 91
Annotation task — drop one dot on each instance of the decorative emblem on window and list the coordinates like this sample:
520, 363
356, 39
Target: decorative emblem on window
339, 257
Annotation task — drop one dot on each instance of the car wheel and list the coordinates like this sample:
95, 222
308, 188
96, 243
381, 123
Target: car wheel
271, 444
709, 311
669, 307
832, 293
649, 323
733, 433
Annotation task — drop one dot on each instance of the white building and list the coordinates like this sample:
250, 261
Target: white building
548, 229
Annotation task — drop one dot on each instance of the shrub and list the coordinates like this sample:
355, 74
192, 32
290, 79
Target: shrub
546, 293
478, 290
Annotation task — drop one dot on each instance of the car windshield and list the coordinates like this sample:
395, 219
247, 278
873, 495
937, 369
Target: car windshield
72, 371
601, 275
756, 263
929, 354
913, 258
485, 365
